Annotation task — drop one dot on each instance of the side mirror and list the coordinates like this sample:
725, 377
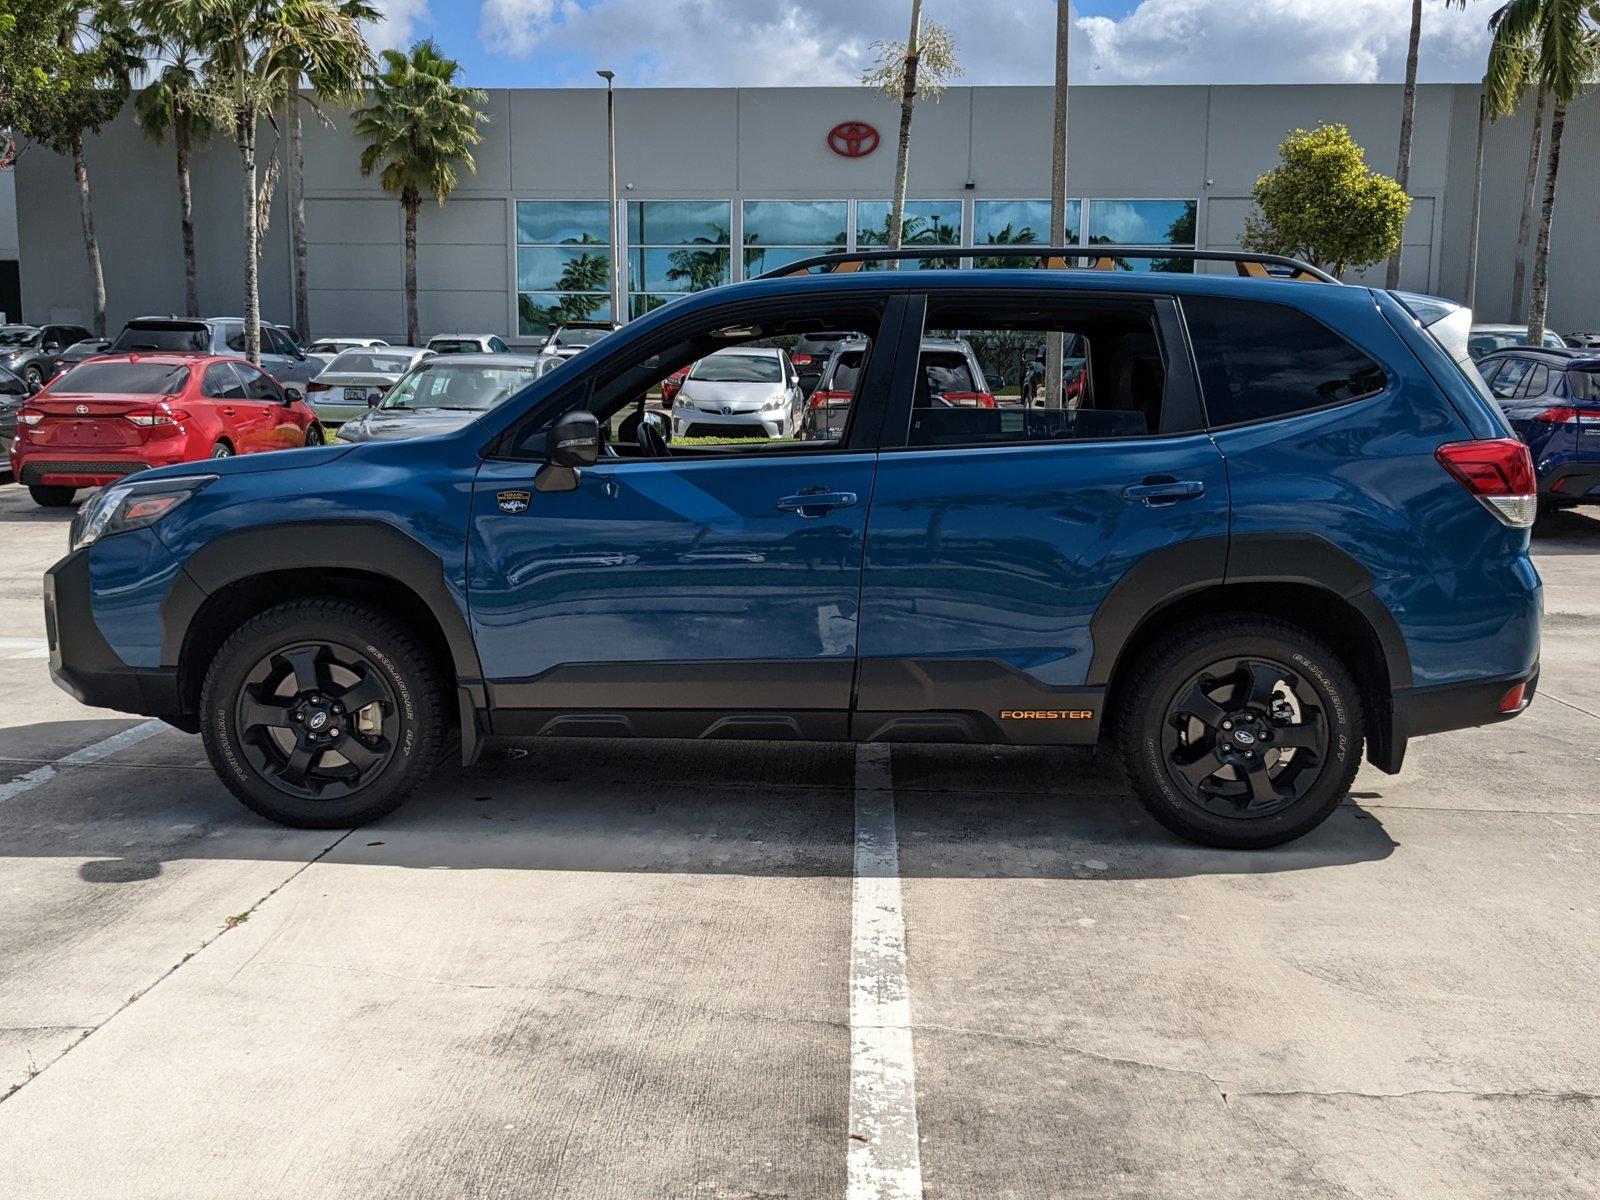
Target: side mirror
572, 443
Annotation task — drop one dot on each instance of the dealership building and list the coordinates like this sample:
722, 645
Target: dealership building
721, 184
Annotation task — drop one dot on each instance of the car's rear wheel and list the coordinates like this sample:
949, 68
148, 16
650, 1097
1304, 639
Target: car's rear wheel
321, 714
314, 436
222, 450
33, 377
1240, 732
51, 496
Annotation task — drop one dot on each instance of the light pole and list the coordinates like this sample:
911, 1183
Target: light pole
611, 171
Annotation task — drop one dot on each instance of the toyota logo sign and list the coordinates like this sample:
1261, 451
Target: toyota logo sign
852, 139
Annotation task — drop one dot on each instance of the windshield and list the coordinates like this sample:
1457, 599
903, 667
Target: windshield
122, 379
454, 346
369, 362
738, 368
182, 338
18, 335
468, 388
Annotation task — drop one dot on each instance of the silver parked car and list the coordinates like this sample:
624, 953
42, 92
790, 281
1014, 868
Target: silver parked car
751, 391
1486, 339
325, 350
357, 379
444, 392
467, 343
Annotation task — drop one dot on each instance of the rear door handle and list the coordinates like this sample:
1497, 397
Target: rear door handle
227, 412
816, 502
1156, 493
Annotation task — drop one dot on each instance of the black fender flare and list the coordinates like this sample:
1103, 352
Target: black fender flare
370, 546
1307, 559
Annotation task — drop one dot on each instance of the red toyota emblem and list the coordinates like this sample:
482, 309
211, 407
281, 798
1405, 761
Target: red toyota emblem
852, 139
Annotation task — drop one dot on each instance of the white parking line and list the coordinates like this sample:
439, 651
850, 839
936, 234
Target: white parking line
91, 753
885, 1161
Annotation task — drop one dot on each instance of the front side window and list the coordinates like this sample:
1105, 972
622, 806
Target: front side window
563, 263
457, 387
675, 247
981, 378
257, 386
779, 232
1259, 361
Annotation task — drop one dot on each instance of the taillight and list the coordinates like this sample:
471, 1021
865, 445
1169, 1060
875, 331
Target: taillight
821, 399
985, 400
800, 360
1516, 699
155, 416
314, 386
1499, 472
1561, 414
29, 416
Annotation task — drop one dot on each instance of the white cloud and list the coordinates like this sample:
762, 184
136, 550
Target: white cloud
1280, 41
398, 28
755, 42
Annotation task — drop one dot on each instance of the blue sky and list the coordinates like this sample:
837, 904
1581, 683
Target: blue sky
707, 43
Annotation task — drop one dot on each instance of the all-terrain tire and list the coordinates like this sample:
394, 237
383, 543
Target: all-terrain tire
1163, 672
403, 669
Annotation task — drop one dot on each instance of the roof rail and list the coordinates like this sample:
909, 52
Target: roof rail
1246, 262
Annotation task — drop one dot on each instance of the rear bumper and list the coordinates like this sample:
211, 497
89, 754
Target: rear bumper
1421, 711
81, 661
67, 468
1572, 482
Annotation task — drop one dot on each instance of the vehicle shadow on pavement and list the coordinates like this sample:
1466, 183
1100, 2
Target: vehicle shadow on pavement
750, 808
1569, 531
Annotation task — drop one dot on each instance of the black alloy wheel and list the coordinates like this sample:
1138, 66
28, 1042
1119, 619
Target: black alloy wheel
317, 720
1244, 737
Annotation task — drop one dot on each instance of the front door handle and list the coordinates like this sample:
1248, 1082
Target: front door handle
816, 501
1159, 492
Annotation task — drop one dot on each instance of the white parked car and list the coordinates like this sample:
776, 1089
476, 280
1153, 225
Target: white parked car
745, 392
325, 350
358, 378
467, 343
1486, 339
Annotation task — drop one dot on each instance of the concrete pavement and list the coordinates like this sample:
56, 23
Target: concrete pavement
621, 970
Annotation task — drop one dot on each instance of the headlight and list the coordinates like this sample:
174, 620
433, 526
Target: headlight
775, 403
126, 506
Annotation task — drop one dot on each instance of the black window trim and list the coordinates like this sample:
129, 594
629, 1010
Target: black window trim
1181, 393
1389, 374
861, 436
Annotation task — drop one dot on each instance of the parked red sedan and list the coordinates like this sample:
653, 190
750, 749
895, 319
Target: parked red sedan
111, 416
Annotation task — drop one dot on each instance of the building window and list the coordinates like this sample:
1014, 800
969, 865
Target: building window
1017, 222
674, 247
563, 263
927, 223
779, 232
1144, 223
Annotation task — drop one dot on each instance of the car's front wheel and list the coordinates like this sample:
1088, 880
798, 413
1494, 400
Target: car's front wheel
1240, 732
321, 714
33, 377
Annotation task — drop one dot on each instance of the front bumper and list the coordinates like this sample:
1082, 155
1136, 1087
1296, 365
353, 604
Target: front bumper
695, 422
84, 664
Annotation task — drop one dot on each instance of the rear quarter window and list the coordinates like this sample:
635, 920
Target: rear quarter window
1258, 360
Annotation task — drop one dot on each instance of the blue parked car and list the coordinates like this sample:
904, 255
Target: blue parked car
1287, 524
1552, 399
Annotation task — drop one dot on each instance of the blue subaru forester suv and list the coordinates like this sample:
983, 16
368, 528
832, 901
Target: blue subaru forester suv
1280, 522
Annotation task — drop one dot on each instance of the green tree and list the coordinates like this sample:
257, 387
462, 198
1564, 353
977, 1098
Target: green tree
335, 78
1554, 44
86, 82
255, 51
701, 269
420, 126
1009, 236
1324, 204
174, 102
927, 59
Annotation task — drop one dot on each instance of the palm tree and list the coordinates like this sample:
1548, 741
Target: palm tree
174, 100
255, 50
1513, 66
334, 77
1408, 112
420, 126
927, 58
1564, 38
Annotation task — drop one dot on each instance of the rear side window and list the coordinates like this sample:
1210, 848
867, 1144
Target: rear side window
1258, 361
